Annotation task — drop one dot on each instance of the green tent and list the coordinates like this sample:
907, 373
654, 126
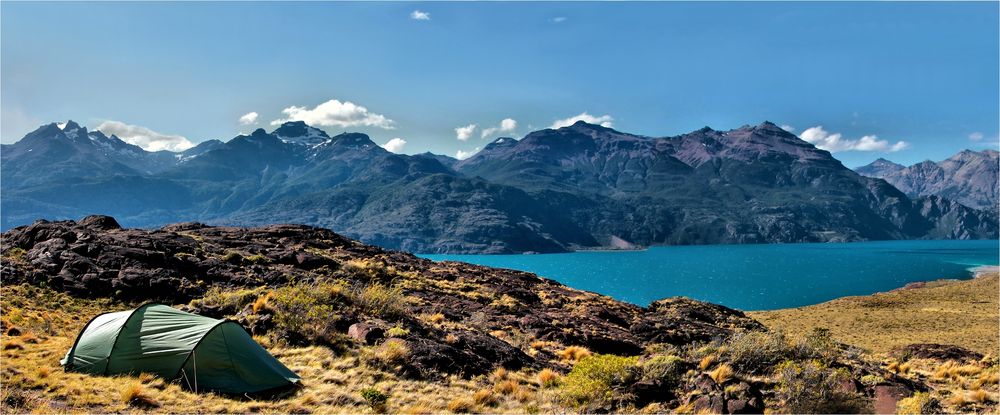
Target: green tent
205, 354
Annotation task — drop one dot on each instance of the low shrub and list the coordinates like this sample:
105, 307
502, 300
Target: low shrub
381, 300
919, 403
369, 270
813, 388
375, 398
390, 354
397, 331
595, 378
665, 369
757, 352
227, 302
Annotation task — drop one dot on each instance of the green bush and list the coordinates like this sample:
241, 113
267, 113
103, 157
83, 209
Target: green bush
309, 313
813, 388
666, 369
757, 352
390, 354
919, 403
228, 302
370, 270
381, 300
375, 398
397, 332
594, 380
258, 259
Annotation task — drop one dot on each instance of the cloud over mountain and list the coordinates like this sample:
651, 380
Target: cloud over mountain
395, 145
835, 142
603, 120
144, 137
334, 113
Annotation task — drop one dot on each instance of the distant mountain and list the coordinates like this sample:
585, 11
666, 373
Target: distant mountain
580, 186
879, 168
969, 177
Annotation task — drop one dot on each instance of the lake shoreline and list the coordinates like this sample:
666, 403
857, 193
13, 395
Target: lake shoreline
752, 276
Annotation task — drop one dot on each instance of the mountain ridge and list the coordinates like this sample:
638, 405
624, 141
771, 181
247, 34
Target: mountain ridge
968, 177
580, 186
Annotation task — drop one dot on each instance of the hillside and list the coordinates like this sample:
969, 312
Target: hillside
580, 186
910, 325
427, 336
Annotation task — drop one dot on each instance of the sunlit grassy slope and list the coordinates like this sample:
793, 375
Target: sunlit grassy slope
962, 313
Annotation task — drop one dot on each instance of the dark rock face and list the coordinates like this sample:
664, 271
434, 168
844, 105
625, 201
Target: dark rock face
942, 352
552, 191
180, 262
969, 177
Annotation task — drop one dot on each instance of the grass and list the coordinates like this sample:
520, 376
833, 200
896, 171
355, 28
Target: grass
31, 379
722, 374
962, 313
574, 353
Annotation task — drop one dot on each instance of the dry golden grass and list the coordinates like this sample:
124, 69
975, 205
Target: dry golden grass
548, 378
461, 405
574, 353
962, 313
506, 387
721, 374
31, 379
707, 362
484, 397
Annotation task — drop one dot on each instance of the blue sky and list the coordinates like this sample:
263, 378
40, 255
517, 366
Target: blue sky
877, 74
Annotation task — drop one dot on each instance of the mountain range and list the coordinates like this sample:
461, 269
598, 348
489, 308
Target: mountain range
969, 177
578, 187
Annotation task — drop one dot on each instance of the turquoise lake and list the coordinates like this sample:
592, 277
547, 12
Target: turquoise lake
752, 277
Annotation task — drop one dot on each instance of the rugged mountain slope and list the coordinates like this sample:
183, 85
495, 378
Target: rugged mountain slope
552, 191
969, 177
751, 184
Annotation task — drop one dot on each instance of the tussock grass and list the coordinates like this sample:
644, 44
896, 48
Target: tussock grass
722, 374
548, 378
574, 353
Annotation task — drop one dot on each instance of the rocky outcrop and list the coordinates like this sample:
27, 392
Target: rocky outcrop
181, 262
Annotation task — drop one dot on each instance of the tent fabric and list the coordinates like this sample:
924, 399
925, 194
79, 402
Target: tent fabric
206, 354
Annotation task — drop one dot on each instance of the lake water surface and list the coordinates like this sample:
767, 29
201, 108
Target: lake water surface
753, 277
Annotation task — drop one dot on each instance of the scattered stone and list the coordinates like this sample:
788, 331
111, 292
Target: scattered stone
365, 333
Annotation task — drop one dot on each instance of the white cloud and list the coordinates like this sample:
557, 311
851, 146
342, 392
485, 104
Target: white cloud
334, 113
395, 145
508, 125
835, 142
558, 19
419, 15
143, 137
788, 128
249, 118
976, 136
463, 133
462, 155
603, 121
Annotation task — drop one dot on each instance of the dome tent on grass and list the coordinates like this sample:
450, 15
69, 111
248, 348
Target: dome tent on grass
204, 354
